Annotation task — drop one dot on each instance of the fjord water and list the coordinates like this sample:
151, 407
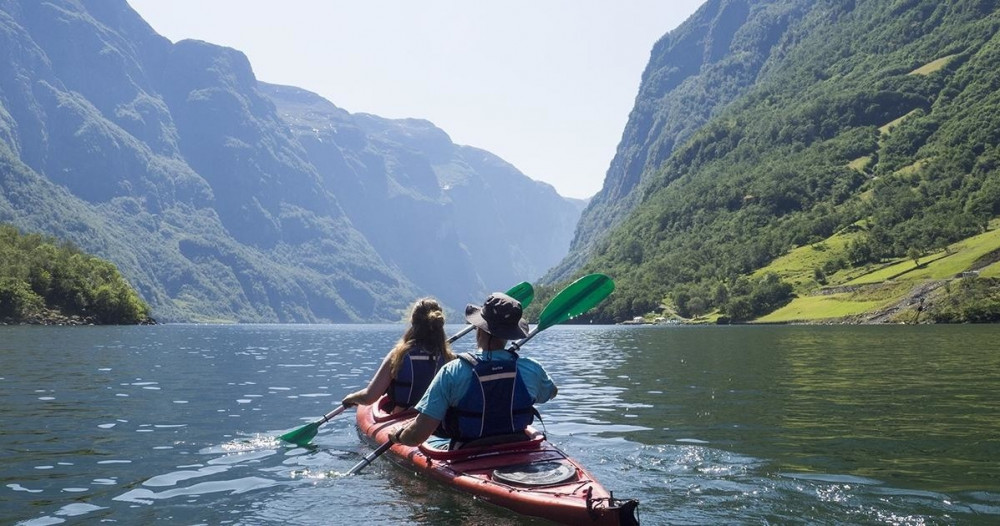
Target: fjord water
705, 425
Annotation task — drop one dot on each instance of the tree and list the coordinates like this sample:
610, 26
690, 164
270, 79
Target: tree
36, 274
17, 300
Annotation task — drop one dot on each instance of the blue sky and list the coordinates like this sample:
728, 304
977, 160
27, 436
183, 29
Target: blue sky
545, 84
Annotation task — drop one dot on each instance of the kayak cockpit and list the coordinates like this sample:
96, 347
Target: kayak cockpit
439, 449
522, 472
385, 411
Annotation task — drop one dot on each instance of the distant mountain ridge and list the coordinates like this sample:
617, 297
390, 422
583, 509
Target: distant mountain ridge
404, 183
225, 199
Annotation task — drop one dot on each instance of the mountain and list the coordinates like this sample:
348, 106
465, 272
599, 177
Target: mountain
222, 198
865, 129
405, 186
693, 73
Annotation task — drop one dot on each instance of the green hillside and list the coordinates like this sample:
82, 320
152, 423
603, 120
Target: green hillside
43, 281
871, 133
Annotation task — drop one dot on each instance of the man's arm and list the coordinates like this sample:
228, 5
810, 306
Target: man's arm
415, 433
432, 408
539, 384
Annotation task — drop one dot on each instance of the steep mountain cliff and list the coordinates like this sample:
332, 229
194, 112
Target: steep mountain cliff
222, 198
767, 125
693, 73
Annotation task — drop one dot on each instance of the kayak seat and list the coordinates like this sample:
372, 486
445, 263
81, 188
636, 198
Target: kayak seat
529, 439
494, 440
385, 411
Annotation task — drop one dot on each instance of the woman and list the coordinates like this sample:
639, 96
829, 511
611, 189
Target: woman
410, 366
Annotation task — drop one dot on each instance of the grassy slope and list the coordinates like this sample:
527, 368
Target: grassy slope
857, 292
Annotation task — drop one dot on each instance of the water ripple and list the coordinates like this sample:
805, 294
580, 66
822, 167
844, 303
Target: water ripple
734, 425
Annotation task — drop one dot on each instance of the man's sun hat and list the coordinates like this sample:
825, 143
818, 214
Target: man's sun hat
500, 315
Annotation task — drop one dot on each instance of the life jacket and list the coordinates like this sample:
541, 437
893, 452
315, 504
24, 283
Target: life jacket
496, 402
415, 374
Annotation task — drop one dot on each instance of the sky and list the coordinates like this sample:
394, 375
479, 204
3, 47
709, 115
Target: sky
547, 85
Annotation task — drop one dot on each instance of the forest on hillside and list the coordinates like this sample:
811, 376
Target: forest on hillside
44, 281
877, 117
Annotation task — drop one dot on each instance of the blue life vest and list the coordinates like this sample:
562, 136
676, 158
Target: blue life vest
496, 403
415, 374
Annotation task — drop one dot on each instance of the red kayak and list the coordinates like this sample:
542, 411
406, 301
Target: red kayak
530, 475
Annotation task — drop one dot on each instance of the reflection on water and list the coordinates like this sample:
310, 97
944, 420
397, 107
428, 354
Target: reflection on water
705, 425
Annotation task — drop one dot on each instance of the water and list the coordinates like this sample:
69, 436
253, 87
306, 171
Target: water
705, 425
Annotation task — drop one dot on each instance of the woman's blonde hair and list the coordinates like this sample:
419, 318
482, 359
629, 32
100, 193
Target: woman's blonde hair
426, 330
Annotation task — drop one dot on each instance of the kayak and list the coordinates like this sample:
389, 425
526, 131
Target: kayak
526, 474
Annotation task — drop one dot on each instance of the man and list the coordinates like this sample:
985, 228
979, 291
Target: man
486, 394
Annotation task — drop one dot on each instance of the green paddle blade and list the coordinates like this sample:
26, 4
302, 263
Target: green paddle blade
522, 292
577, 298
302, 435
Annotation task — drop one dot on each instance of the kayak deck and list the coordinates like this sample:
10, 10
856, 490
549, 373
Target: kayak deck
529, 475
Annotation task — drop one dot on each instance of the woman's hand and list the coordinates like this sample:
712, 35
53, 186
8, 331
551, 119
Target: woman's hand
354, 398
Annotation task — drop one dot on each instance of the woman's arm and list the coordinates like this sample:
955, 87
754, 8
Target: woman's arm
377, 386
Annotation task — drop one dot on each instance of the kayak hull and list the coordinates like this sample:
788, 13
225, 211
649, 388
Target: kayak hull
530, 476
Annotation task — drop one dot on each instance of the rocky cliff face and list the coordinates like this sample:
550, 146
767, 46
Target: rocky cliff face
222, 198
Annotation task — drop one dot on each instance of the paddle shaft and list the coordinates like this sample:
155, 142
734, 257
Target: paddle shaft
326, 418
516, 346
370, 457
461, 333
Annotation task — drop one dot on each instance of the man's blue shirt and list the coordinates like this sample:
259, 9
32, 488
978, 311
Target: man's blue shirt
453, 380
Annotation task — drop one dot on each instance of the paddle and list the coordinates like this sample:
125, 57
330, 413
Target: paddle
304, 434
578, 297
370, 457
522, 292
